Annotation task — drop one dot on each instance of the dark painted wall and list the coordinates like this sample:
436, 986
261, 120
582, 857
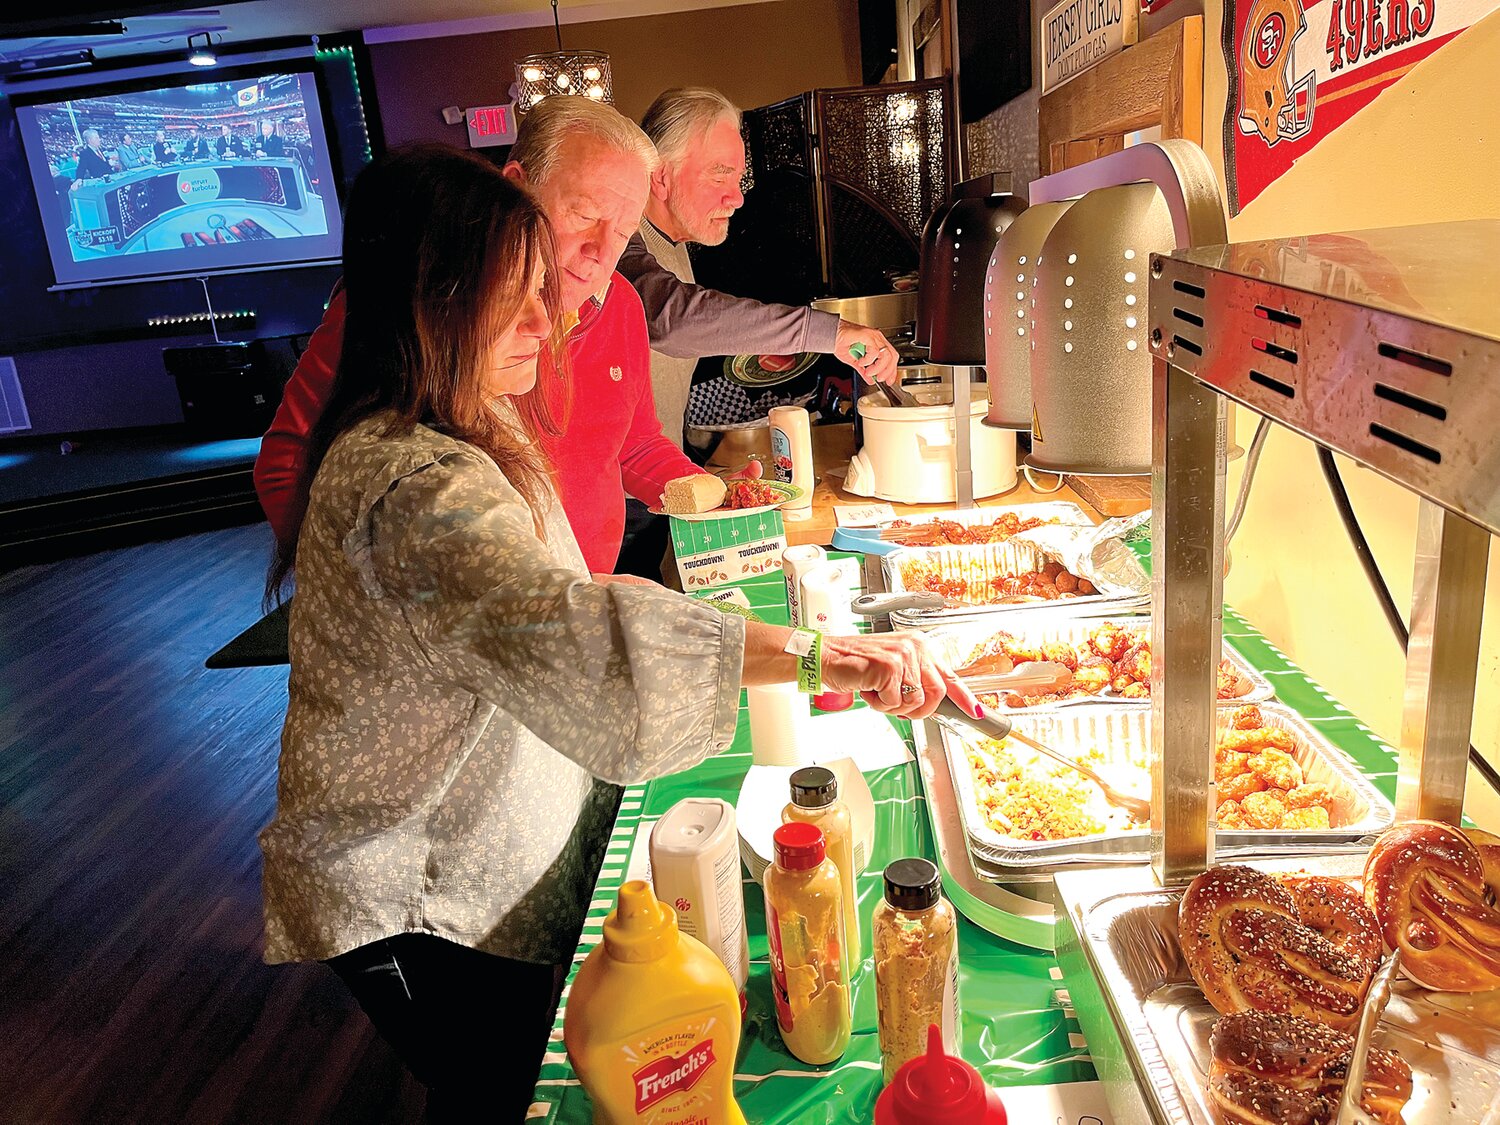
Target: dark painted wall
755, 53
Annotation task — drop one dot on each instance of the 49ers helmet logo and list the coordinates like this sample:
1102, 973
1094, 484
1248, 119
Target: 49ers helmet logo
1268, 39
1275, 102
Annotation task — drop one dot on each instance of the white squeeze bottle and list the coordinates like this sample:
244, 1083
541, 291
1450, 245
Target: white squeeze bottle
695, 869
791, 456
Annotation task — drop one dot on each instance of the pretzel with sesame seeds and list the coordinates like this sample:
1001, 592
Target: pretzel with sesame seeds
1307, 945
1270, 1068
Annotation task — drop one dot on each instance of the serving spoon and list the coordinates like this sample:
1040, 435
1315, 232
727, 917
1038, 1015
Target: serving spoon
996, 727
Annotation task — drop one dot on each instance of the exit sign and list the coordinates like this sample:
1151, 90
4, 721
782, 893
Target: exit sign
491, 125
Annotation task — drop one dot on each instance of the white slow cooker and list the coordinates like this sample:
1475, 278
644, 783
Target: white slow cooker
908, 451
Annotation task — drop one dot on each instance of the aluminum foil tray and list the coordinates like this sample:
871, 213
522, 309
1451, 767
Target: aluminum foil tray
1451, 1041
1122, 732
961, 641
1098, 553
1066, 513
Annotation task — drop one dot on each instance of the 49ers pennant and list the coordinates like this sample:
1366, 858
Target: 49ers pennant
1299, 69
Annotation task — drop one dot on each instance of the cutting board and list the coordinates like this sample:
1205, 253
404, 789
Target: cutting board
1113, 496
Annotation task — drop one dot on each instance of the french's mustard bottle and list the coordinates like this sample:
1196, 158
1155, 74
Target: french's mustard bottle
653, 1022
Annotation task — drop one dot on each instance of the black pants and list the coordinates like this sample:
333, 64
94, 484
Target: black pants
472, 1027
645, 545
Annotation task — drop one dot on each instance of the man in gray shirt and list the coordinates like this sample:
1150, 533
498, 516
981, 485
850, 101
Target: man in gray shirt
697, 188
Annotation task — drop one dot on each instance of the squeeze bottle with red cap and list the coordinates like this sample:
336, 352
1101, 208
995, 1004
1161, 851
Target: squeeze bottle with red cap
938, 1089
805, 928
653, 1023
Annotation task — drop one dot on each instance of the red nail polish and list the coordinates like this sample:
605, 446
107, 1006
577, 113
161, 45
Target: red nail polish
979, 710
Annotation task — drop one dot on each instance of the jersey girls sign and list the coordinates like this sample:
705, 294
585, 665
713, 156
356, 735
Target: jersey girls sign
1076, 34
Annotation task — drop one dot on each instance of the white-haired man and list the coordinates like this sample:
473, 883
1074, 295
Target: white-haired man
694, 191
92, 163
590, 168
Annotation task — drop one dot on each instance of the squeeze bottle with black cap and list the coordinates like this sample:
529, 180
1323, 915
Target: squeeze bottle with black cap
815, 800
938, 1089
916, 963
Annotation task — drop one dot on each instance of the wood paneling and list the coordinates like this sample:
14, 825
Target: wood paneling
132, 785
1158, 82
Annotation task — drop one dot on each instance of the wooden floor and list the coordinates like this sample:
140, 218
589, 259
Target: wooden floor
132, 785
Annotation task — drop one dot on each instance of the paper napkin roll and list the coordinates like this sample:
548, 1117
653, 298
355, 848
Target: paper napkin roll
796, 562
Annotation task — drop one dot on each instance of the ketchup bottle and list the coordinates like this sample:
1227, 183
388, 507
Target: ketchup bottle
938, 1089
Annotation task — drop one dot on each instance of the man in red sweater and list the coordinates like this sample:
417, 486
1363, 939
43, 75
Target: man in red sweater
590, 169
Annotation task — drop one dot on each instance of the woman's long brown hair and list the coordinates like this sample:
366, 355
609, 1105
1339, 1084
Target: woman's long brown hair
440, 250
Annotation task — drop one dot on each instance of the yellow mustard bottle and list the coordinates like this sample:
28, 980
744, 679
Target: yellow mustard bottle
805, 931
652, 1024
815, 800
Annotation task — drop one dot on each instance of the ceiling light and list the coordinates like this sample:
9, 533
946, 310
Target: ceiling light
560, 72
204, 55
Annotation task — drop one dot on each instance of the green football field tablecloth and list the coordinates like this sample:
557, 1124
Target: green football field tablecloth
1015, 1028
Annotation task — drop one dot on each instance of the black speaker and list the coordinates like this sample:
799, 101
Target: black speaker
226, 390
877, 40
994, 62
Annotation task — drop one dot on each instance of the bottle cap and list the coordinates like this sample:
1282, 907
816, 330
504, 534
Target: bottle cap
912, 884
799, 846
639, 928
938, 1088
833, 701
814, 787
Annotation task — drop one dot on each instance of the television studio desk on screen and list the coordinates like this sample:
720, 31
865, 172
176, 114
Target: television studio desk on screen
203, 203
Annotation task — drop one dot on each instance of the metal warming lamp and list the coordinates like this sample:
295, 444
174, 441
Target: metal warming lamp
1089, 364
1090, 368
955, 258
1007, 314
554, 73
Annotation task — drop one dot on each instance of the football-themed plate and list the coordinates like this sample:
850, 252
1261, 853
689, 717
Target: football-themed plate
760, 371
786, 493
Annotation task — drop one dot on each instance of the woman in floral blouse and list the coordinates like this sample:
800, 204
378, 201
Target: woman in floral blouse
459, 681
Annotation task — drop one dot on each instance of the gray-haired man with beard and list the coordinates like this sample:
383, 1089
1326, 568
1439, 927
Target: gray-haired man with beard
693, 193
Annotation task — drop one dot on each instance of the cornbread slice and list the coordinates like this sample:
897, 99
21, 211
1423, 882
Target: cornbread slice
700, 492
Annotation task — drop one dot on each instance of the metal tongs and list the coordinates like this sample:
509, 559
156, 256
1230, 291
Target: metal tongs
994, 726
873, 605
894, 393
1350, 1111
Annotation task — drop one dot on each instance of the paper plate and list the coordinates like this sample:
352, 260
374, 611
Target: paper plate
787, 492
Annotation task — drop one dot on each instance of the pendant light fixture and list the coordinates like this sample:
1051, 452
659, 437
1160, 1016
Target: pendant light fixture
204, 55
551, 73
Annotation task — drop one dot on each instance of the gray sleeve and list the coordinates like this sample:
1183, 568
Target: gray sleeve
688, 321
630, 682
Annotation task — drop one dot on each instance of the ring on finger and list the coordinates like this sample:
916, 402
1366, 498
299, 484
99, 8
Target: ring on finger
910, 689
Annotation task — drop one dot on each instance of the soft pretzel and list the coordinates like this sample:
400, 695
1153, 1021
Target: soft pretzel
1433, 890
1270, 1068
1306, 945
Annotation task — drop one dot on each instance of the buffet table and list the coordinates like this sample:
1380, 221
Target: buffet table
1018, 1024
833, 446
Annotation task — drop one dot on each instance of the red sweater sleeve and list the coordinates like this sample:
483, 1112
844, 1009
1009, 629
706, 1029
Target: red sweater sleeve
649, 459
283, 450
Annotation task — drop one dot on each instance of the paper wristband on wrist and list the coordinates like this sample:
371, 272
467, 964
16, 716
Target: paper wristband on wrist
807, 646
